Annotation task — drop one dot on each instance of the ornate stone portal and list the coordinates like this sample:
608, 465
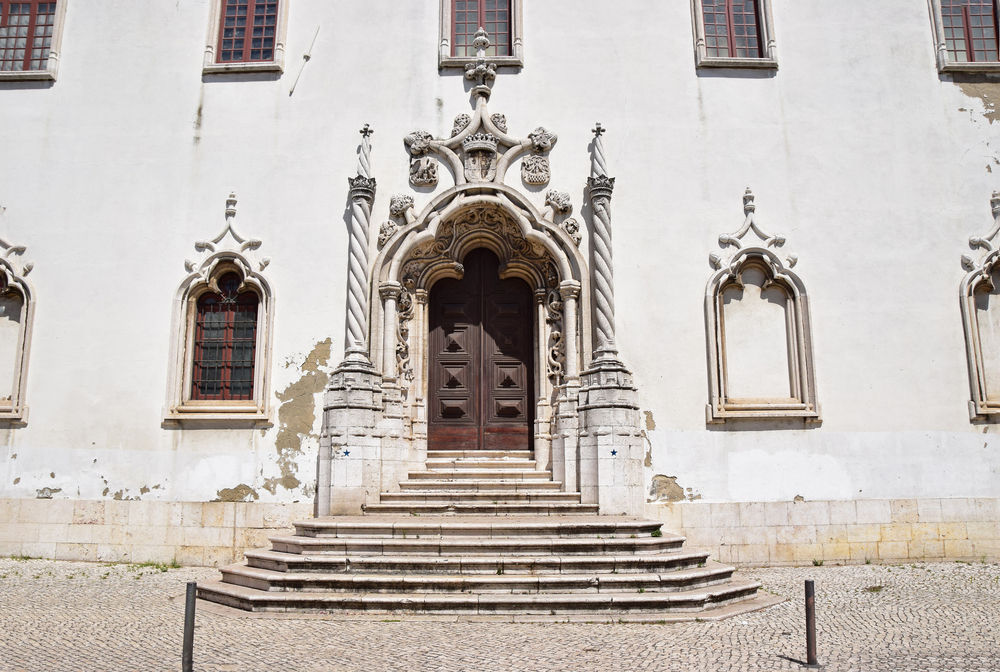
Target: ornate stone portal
375, 414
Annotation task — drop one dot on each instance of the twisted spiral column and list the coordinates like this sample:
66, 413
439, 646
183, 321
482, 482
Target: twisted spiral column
601, 186
362, 197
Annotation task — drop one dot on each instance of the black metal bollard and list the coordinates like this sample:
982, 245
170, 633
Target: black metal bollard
187, 656
811, 624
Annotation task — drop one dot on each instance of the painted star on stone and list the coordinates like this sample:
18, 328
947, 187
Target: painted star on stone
346, 453
613, 453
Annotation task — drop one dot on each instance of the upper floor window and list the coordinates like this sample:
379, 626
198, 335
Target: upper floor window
461, 19
246, 35
734, 34
965, 35
29, 39
493, 16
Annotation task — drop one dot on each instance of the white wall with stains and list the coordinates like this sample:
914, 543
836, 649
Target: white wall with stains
875, 167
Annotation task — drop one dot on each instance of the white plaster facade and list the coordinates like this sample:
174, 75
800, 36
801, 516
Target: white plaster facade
876, 167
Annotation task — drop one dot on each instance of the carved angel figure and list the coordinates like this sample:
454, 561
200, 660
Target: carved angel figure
418, 142
424, 171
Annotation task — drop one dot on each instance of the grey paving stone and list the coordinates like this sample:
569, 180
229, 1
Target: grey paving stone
69, 616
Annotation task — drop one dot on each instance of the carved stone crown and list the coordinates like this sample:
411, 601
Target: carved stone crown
480, 141
601, 186
362, 187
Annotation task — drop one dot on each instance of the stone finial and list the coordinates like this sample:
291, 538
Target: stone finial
365, 157
748, 205
481, 71
231, 204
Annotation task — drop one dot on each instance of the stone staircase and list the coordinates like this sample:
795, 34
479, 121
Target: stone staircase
481, 534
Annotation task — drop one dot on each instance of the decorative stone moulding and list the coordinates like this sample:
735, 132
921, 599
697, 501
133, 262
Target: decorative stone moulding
211, 67
759, 330
227, 252
17, 312
941, 46
769, 50
980, 296
445, 33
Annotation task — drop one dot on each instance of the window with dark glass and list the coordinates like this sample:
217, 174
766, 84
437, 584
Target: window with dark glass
732, 28
970, 30
26, 35
225, 343
248, 31
493, 16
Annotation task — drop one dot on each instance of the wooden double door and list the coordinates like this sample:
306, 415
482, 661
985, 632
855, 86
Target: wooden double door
481, 377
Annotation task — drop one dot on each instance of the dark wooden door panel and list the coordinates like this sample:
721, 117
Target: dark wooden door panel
481, 369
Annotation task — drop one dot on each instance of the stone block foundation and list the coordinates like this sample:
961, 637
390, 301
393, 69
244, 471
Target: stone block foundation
192, 533
797, 533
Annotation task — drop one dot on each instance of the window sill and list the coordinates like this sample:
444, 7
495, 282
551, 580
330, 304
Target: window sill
235, 68
970, 67
776, 411
28, 75
215, 412
14, 413
752, 63
461, 61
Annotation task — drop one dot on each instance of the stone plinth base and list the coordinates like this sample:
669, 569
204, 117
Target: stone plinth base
858, 531
192, 533
611, 446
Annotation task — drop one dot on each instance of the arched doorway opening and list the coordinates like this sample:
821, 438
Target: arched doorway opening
481, 378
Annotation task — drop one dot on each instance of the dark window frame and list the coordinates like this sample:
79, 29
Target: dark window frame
967, 28
731, 26
266, 53
481, 22
31, 40
229, 304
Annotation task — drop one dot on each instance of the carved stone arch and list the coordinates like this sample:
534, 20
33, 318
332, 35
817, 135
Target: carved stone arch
17, 310
753, 303
229, 252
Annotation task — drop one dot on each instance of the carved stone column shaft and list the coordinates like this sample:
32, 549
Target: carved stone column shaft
362, 197
600, 187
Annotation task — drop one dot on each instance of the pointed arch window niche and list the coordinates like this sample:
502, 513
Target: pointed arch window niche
17, 310
980, 294
759, 330
221, 351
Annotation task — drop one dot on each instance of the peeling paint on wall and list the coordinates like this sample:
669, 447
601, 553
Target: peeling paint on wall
665, 489
987, 91
241, 493
297, 415
650, 423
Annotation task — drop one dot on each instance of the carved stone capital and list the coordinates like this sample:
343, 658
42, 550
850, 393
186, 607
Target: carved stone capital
421, 296
362, 188
390, 290
569, 289
601, 186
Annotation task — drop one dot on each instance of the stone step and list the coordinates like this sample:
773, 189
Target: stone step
438, 464
481, 485
696, 599
487, 527
480, 509
481, 454
464, 497
483, 564
482, 474
270, 580
465, 546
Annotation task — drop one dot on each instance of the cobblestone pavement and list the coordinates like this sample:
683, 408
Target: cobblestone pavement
71, 616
